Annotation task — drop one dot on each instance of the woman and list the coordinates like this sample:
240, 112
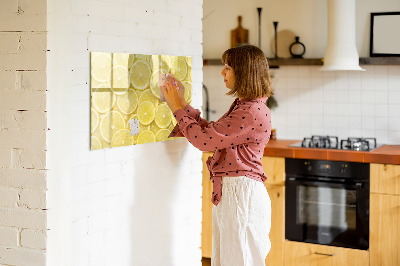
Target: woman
242, 208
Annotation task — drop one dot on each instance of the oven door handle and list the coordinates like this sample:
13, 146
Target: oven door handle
357, 185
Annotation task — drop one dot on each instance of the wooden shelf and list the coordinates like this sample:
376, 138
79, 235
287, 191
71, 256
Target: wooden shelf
274, 63
380, 61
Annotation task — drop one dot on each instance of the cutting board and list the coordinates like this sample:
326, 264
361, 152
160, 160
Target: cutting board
239, 35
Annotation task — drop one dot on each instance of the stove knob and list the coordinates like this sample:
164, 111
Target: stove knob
343, 168
308, 166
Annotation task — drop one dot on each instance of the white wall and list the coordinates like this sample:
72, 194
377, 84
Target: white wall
23, 133
311, 102
305, 18
136, 205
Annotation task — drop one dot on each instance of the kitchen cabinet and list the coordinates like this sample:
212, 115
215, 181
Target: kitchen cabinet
206, 226
385, 178
385, 215
274, 168
305, 254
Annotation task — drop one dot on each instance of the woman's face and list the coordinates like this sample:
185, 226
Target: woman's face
229, 76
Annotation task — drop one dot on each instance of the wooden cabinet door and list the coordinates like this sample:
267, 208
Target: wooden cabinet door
277, 233
274, 168
304, 254
385, 178
206, 226
384, 236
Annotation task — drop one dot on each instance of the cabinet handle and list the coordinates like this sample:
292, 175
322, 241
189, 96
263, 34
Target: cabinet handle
324, 254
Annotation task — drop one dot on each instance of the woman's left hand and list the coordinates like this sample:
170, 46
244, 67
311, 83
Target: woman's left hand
170, 90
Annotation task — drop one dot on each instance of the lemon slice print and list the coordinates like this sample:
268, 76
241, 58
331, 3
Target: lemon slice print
188, 90
148, 96
162, 134
165, 62
189, 60
94, 120
154, 128
100, 67
120, 79
95, 143
154, 82
128, 102
103, 100
143, 57
110, 123
140, 74
146, 137
122, 59
122, 138
163, 116
146, 113
179, 68
161, 62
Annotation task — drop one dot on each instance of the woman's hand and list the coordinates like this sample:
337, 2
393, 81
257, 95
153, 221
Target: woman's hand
174, 93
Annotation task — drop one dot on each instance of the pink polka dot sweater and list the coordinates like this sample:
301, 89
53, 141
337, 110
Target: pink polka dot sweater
238, 139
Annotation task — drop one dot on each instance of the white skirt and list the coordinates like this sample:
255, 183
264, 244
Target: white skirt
241, 223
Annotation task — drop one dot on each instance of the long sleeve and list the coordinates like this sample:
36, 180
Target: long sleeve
193, 113
231, 130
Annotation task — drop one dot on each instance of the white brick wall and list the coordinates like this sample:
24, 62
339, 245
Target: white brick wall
137, 205
22, 132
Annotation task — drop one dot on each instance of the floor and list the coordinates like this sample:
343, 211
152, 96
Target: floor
206, 261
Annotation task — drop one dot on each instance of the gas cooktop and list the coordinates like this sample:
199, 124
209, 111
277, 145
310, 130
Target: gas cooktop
332, 142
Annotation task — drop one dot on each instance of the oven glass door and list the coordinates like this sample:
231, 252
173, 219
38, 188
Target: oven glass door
326, 213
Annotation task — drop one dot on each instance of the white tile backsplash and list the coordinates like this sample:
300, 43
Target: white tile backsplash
343, 103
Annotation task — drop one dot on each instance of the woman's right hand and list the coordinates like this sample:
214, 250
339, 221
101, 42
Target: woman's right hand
181, 91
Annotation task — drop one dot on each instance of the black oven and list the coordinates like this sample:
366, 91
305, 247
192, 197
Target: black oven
327, 202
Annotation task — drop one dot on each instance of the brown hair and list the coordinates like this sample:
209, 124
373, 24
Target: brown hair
250, 66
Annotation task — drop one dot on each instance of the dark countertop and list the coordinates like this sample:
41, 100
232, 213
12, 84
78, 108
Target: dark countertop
389, 154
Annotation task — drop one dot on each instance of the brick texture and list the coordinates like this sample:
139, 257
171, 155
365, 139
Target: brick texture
23, 125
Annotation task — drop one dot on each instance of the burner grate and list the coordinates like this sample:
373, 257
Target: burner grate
358, 144
327, 142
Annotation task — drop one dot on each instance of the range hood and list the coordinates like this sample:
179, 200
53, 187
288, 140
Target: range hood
341, 51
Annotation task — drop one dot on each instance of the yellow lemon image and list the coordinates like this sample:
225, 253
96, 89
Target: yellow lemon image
163, 116
154, 128
103, 100
188, 90
171, 126
95, 143
146, 137
140, 74
128, 102
179, 68
165, 62
161, 62
122, 59
154, 82
94, 119
146, 113
120, 79
122, 138
148, 96
162, 134
189, 61
110, 123
143, 57
101, 67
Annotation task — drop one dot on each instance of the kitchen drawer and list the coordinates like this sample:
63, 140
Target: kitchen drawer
305, 254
